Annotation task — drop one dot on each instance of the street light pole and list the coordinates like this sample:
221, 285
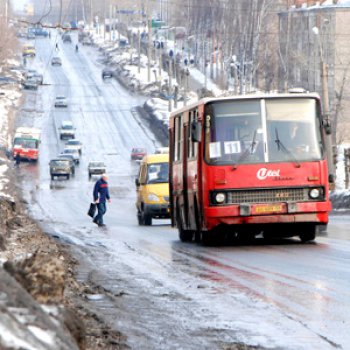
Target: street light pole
326, 109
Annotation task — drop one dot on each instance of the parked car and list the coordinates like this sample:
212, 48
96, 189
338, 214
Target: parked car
73, 152
138, 153
61, 101
56, 61
96, 168
67, 130
107, 73
60, 167
30, 84
28, 50
75, 144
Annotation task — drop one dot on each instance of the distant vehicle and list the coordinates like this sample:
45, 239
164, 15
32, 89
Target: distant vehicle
66, 38
61, 101
33, 74
73, 152
67, 130
86, 41
107, 73
70, 157
56, 61
74, 144
7, 80
60, 167
28, 50
96, 168
30, 36
30, 84
26, 143
38, 32
162, 150
138, 153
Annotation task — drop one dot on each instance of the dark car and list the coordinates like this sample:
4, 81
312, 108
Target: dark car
137, 153
30, 84
66, 38
107, 73
60, 167
56, 61
70, 157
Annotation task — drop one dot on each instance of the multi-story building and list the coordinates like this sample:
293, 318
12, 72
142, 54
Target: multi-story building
315, 35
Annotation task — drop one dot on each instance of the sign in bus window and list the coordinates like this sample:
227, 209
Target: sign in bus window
215, 150
232, 147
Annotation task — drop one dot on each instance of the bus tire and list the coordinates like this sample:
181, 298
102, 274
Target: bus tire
184, 235
309, 233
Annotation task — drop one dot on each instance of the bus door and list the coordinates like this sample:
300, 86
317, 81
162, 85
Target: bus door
192, 174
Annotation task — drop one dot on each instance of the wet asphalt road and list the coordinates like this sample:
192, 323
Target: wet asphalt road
164, 294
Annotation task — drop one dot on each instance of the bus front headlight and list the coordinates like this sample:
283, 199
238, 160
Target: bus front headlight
315, 193
220, 198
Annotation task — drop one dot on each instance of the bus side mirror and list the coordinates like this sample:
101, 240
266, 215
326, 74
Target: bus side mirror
327, 126
196, 131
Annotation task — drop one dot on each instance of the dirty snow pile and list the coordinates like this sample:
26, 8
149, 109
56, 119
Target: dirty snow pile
9, 98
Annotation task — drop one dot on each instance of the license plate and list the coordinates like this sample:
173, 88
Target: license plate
273, 208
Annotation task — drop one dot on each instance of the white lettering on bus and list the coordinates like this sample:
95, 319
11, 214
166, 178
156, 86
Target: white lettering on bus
264, 173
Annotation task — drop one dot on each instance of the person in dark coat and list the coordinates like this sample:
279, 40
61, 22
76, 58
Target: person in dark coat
17, 159
101, 195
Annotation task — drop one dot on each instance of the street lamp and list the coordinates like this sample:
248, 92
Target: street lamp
326, 111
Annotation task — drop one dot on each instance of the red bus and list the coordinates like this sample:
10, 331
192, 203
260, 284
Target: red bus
248, 165
26, 143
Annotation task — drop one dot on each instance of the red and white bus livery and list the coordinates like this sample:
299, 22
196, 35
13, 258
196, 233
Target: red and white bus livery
247, 165
26, 143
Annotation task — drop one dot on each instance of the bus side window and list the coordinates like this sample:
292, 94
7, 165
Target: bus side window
192, 146
178, 139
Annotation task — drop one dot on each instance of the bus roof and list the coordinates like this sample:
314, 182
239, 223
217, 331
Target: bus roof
28, 132
245, 97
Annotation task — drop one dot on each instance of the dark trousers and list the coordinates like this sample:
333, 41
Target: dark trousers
101, 210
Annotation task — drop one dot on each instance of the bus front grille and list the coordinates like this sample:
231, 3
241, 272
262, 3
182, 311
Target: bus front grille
267, 195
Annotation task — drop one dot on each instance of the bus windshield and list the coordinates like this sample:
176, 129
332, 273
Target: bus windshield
26, 143
262, 131
158, 173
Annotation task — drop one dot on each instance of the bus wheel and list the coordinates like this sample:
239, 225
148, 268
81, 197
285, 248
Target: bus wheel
309, 233
184, 235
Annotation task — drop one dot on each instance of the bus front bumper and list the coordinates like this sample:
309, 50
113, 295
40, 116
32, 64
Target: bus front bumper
306, 212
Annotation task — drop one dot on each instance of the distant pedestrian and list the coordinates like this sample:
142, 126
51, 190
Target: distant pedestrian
56, 46
76, 48
17, 159
101, 195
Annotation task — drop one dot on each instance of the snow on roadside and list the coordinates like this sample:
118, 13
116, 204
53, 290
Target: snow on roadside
9, 98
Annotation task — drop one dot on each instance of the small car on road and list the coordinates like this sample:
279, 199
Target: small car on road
75, 144
61, 101
137, 153
107, 73
67, 130
60, 167
70, 157
56, 61
96, 168
30, 84
74, 153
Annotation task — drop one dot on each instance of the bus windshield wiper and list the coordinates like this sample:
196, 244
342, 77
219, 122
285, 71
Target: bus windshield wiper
281, 146
247, 152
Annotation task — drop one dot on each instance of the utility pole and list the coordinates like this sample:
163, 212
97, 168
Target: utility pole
149, 16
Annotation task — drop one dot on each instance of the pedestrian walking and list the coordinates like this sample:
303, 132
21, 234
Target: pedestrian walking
56, 46
101, 195
17, 159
